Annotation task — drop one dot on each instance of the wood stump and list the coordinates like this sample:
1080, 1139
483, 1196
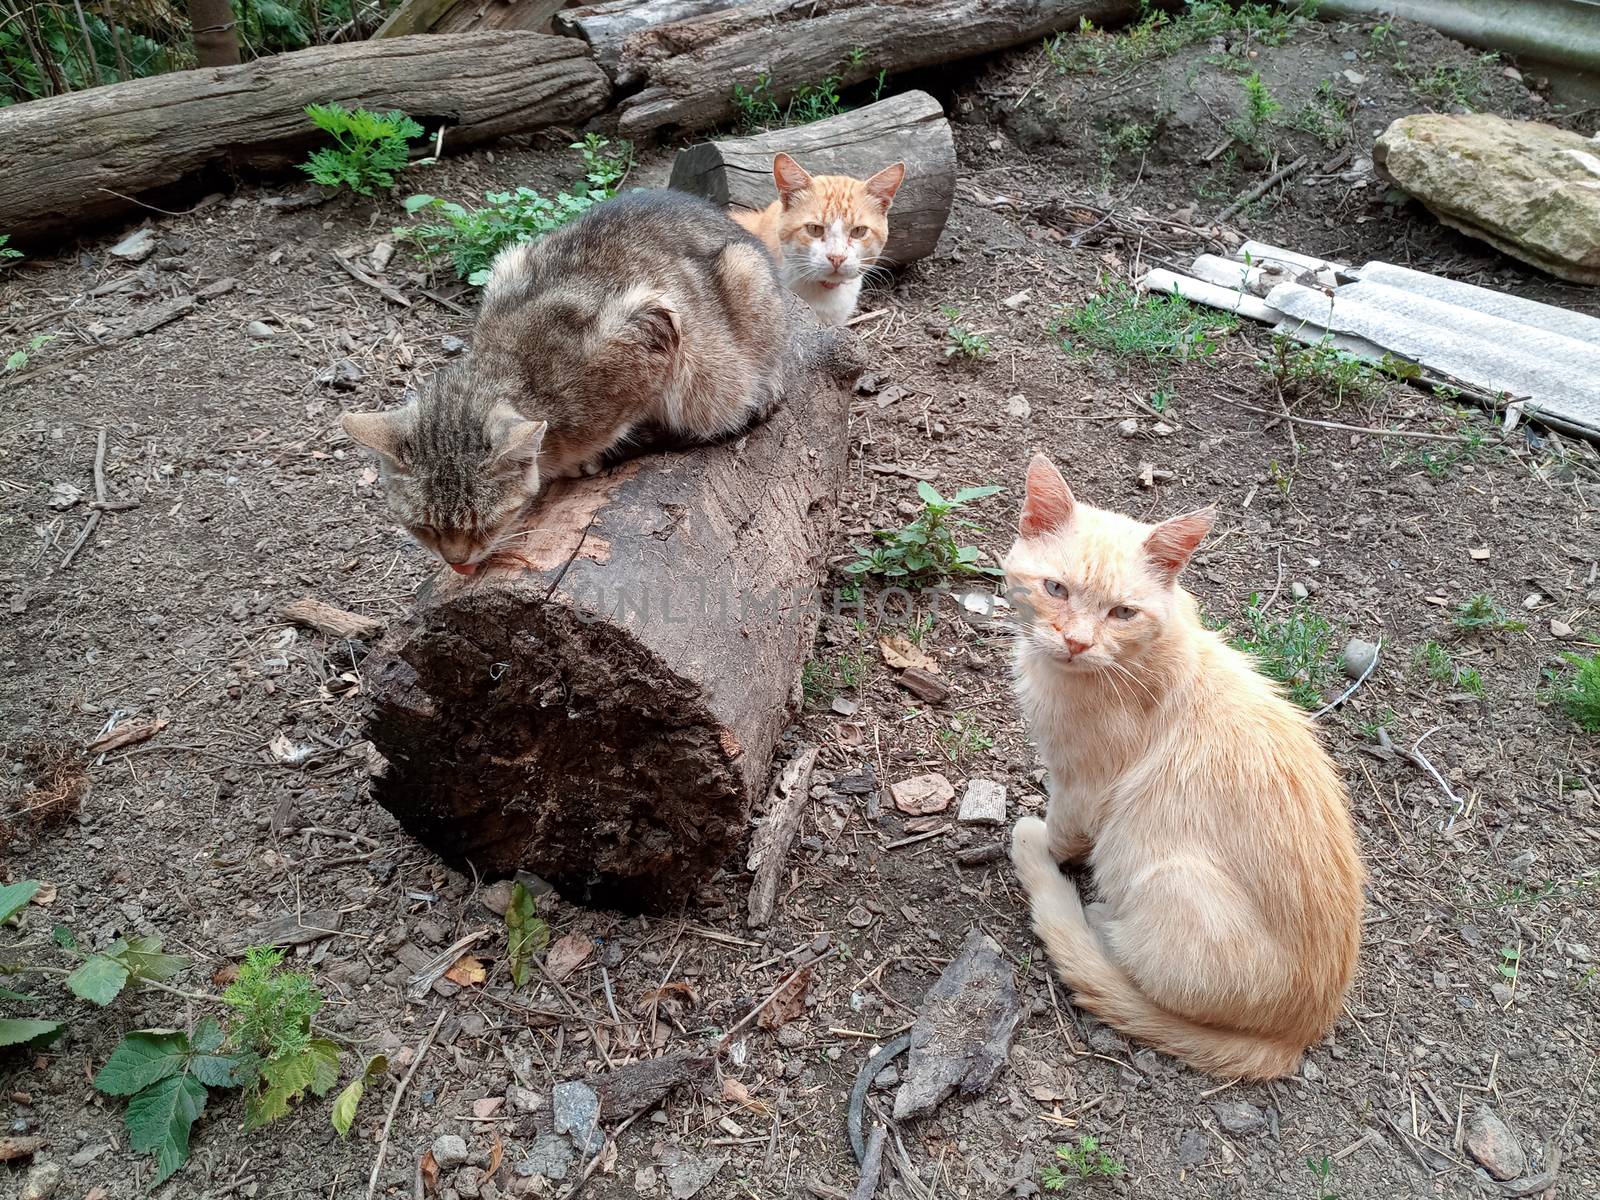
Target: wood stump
62, 159
602, 710
907, 128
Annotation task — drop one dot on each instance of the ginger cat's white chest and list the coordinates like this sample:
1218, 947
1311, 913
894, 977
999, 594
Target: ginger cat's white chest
833, 305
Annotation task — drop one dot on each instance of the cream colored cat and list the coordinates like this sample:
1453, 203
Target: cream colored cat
1214, 824
825, 232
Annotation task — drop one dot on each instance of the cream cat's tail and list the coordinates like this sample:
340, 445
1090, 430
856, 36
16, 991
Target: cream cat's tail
1104, 989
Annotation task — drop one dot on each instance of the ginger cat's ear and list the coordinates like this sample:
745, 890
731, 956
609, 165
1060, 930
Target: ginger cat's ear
383, 433
882, 186
1048, 504
790, 177
1172, 543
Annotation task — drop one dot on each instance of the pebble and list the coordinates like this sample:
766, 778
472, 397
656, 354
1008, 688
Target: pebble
136, 247
1129, 428
524, 1100
1017, 406
451, 344
1298, 590
1358, 656
576, 1112
343, 375
791, 1036
1493, 1144
449, 1151
549, 1157
1239, 1116
497, 897
1579, 952
983, 804
468, 1182
261, 330
488, 1106
1560, 629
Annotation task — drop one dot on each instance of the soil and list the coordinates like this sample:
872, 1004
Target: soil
252, 802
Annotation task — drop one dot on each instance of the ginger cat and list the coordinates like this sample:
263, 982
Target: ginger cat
825, 232
1214, 824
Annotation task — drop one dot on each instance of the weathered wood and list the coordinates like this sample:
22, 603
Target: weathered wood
691, 66
468, 16
601, 708
326, 619
786, 804
62, 159
607, 26
908, 128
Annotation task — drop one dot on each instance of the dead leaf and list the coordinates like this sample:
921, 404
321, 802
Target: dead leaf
468, 971
568, 954
674, 999
900, 653
923, 795
495, 1156
789, 1003
428, 1168
129, 733
13, 1148
734, 1091
45, 896
225, 974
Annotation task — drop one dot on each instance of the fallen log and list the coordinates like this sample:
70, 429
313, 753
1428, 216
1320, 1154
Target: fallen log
602, 708
690, 66
468, 16
607, 26
908, 128
84, 157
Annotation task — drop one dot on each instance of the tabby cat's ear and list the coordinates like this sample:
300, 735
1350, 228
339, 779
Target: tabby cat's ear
1048, 504
882, 186
517, 439
384, 433
654, 324
1172, 543
790, 176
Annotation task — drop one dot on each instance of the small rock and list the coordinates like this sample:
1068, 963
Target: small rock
844, 706
1493, 1144
687, 1174
887, 1078
136, 247
468, 1182
380, 256
1298, 590
1162, 429
1502, 994
524, 1100
1018, 407
64, 495
1239, 1117
983, 804
344, 375
496, 897
923, 795
1310, 1072
1578, 952
1560, 629
791, 1036
488, 1106
1129, 428
1018, 301
217, 287
1193, 1148
576, 1112
1358, 656
260, 330
549, 1157
451, 344
449, 1151
43, 1181
1355, 77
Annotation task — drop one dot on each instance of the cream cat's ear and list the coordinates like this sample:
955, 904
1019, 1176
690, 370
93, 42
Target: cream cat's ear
1049, 502
383, 433
790, 177
882, 186
1172, 543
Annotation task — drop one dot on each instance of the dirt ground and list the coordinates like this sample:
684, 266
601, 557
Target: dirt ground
249, 496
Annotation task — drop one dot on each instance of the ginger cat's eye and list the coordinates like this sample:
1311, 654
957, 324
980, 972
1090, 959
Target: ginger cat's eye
1054, 587
815, 231
859, 231
1123, 613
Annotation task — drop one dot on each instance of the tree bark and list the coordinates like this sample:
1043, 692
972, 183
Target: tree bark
691, 66
607, 26
216, 44
602, 709
171, 129
907, 128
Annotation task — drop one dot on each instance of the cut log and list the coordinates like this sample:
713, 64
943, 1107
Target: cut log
602, 709
607, 26
690, 67
63, 160
908, 128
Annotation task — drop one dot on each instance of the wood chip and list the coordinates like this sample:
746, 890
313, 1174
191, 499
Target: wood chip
786, 804
326, 619
129, 733
930, 689
292, 930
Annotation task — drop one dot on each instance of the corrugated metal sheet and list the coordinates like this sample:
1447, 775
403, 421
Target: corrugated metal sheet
1544, 360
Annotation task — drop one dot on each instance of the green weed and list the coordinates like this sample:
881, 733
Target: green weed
1455, 86
1080, 1163
1322, 370
1295, 650
1149, 326
963, 738
368, 147
759, 109
471, 238
1322, 1176
961, 342
1158, 34
1325, 117
1437, 663
928, 546
527, 933
278, 1059
1578, 694
7, 254
823, 678
1481, 614
18, 359
1260, 111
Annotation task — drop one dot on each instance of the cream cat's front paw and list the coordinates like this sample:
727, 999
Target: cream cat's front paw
1030, 853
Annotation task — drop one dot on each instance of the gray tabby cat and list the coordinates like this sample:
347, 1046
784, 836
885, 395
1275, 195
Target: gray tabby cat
653, 312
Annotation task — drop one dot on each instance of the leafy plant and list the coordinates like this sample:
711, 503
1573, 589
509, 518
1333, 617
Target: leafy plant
1260, 109
961, 342
822, 677
1080, 1163
1322, 369
1325, 117
278, 1058
6, 252
963, 738
1480, 614
369, 147
166, 1074
526, 933
1322, 1172
18, 359
927, 546
472, 237
1159, 33
345, 1104
1579, 695
1122, 321
1295, 649
758, 106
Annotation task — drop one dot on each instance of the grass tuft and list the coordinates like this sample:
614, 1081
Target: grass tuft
1295, 650
1126, 322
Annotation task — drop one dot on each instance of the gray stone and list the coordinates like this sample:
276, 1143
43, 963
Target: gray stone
550, 1157
983, 804
1524, 187
576, 1112
1298, 590
449, 1151
1129, 428
1578, 952
468, 1182
343, 375
260, 330
1358, 656
43, 1181
1239, 1117
524, 1100
1018, 407
217, 287
686, 1174
136, 247
1493, 1145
